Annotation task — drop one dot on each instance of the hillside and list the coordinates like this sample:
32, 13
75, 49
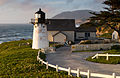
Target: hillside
18, 60
79, 15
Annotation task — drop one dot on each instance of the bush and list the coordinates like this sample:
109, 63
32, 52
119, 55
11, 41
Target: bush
116, 47
86, 42
59, 45
106, 35
55, 44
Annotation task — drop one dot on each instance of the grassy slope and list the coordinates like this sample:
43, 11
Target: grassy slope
17, 59
112, 60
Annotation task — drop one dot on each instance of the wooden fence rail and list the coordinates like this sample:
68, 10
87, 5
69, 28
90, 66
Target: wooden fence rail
106, 55
77, 72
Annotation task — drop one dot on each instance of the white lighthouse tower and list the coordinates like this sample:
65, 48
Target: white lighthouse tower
40, 37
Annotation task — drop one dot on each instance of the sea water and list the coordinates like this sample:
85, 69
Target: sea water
12, 32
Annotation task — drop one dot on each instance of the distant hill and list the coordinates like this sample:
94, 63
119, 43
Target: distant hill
79, 15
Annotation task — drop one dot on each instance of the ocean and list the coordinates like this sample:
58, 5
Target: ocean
12, 32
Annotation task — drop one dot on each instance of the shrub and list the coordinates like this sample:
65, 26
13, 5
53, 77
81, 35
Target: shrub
116, 47
106, 35
86, 42
59, 45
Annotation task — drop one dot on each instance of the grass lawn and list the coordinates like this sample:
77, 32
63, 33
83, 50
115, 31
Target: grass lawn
18, 60
112, 60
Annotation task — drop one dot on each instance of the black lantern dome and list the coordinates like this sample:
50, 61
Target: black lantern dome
40, 16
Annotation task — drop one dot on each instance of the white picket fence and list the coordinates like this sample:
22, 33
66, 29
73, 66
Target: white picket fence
106, 55
77, 72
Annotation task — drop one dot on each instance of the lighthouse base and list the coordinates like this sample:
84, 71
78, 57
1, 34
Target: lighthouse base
40, 37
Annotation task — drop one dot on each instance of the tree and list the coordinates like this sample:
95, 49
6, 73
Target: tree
110, 18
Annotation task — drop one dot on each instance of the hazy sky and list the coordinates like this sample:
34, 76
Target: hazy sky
21, 11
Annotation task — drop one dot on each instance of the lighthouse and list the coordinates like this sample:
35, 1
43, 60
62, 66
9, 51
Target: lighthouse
40, 37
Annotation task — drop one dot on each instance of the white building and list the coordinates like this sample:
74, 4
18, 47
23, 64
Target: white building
85, 33
115, 35
40, 37
61, 30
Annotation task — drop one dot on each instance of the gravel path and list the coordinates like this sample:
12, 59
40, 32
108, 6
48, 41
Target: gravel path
65, 58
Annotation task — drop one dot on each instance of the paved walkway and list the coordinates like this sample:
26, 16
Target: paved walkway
65, 58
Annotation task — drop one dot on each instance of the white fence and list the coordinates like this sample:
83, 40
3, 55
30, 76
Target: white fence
77, 72
106, 55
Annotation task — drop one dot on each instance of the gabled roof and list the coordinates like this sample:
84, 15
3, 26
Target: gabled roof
58, 33
90, 29
61, 25
87, 27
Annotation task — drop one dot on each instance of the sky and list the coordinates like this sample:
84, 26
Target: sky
21, 11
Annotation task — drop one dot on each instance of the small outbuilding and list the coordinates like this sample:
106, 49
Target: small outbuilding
85, 33
115, 35
62, 30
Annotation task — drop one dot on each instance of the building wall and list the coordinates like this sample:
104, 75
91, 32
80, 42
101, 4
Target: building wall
69, 35
81, 35
59, 38
50, 35
92, 35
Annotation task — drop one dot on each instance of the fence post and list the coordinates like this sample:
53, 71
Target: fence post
88, 76
107, 57
97, 56
37, 58
39, 61
69, 71
47, 65
42, 62
56, 68
114, 76
78, 72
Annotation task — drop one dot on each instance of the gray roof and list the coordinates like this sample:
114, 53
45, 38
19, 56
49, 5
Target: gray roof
58, 33
86, 29
61, 25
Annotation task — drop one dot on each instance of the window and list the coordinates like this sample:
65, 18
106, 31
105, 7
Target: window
87, 34
43, 26
113, 36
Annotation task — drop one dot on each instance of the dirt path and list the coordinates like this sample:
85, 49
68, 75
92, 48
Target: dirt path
65, 58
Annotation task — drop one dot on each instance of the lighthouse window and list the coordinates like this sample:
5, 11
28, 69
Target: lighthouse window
43, 26
37, 15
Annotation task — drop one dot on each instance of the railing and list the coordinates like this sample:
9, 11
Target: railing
77, 72
106, 55
33, 21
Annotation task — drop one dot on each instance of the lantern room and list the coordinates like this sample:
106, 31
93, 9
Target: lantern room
39, 17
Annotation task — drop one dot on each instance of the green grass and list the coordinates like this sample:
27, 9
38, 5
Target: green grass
112, 60
18, 60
